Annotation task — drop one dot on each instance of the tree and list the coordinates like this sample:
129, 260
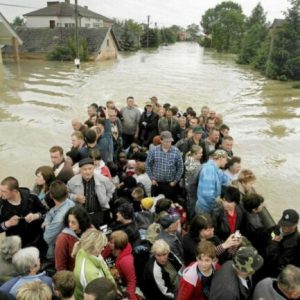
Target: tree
18, 21
224, 26
255, 34
150, 38
193, 30
167, 36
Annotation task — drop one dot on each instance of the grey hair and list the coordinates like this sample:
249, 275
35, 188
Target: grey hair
25, 260
289, 278
9, 246
160, 246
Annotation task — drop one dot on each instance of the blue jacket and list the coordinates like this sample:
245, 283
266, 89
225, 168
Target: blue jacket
210, 182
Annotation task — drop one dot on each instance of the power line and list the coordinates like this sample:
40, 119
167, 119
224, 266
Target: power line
14, 5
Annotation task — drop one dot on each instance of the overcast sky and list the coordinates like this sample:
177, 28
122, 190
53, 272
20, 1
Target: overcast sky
164, 12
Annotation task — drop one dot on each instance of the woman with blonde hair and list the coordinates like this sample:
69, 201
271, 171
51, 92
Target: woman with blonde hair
89, 264
35, 290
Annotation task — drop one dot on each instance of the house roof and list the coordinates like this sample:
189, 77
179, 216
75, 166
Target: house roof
44, 40
7, 32
63, 9
277, 23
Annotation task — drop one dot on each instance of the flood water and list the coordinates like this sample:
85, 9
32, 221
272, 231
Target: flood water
38, 100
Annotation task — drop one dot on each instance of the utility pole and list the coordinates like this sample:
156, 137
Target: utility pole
77, 59
148, 24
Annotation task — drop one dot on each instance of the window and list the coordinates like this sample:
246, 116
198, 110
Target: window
52, 23
87, 25
96, 25
69, 25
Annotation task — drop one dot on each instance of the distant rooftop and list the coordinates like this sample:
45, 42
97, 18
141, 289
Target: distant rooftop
65, 9
277, 23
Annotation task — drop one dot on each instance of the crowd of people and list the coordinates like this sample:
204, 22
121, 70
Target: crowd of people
147, 203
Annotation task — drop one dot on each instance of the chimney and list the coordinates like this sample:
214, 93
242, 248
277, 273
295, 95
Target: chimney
49, 3
67, 1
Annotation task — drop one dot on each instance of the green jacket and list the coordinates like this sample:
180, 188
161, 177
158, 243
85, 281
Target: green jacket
87, 268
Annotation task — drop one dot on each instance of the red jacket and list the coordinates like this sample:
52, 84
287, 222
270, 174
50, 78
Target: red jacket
63, 250
190, 287
125, 266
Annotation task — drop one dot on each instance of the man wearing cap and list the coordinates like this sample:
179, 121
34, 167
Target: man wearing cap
170, 224
211, 181
91, 190
164, 165
130, 121
196, 139
234, 280
211, 143
287, 286
284, 247
148, 127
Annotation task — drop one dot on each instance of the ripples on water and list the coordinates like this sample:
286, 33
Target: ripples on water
38, 100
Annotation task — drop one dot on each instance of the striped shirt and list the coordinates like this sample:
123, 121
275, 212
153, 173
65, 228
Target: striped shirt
164, 166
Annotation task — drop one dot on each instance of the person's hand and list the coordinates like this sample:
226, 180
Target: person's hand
231, 241
80, 199
154, 182
277, 238
13, 221
173, 183
31, 217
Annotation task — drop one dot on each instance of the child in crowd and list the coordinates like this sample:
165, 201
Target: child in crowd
64, 285
196, 278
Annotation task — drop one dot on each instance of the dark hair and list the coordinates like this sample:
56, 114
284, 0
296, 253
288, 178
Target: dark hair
162, 205
130, 97
224, 127
48, 175
95, 154
58, 190
75, 155
232, 194
101, 121
192, 113
252, 201
174, 110
102, 288
166, 106
209, 119
90, 136
11, 182
81, 216
95, 105
232, 161
56, 149
113, 168
199, 222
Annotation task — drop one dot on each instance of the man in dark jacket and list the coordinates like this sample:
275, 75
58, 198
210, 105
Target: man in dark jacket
234, 280
284, 247
21, 213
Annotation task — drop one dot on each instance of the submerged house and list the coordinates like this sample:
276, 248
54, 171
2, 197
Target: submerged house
8, 37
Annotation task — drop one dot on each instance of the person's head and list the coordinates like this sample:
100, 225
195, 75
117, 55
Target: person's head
90, 136
110, 104
227, 143
130, 101
196, 152
193, 122
289, 221
182, 122
58, 191
218, 120
118, 241
214, 135
205, 111
95, 155
100, 289
44, 176
56, 155
174, 110
9, 188
93, 118
288, 282
86, 166
234, 165
139, 168
253, 202
201, 227
154, 100
169, 113
147, 203
122, 157
166, 139
220, 157
231, 198
163, 204
149, 107
64, 284
73, 156
92, 110
125, 213
205, 254
138, 194
247, 179
170, 223
161, 111
77, 139
76, 124
212, 114
27, 261
210, 123
112, 115
92, 241
160, 250
197, 133
35, 290
191, 114
77, 219
224, 130
9, 246
247, 261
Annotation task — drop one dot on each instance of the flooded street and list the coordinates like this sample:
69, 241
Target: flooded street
38, 100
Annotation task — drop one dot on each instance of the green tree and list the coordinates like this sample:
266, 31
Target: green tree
18, 21
193, 30
224, 26
255, 34
150, 38
168, 36
284, 53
